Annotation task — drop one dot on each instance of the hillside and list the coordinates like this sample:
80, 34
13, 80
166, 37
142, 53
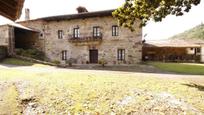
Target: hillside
194, 33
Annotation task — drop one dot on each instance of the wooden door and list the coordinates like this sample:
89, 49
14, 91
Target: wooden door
93, 54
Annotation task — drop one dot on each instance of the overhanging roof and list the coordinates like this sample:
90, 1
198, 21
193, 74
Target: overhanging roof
19, 26
11, 8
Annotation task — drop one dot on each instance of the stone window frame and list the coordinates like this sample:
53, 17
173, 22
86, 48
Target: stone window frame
60, 34
121, 53
76, 32
115, 30
64, 55
96, 31
41, 35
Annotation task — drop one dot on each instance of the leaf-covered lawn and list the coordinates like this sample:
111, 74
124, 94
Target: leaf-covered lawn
197, 69
95, 92
15, 61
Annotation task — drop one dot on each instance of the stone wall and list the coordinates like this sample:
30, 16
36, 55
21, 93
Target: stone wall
130, 41
202, 54
6, 38
4, 35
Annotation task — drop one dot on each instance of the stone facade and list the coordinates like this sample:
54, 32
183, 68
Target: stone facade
6, 38
202, 54
107, 47
4, 35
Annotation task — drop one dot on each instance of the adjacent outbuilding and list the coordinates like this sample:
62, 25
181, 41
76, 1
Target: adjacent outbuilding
174, 50
16, 36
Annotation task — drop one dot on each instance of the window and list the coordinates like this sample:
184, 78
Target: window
198, 50
76, 33
41, 35
64, 55
96, 31
60, 34
121, 54
115, 30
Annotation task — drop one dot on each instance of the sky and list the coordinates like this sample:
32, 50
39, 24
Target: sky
170, 26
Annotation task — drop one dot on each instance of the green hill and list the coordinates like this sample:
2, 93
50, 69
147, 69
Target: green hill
194, 33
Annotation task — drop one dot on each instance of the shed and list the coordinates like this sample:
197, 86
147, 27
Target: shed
172, 50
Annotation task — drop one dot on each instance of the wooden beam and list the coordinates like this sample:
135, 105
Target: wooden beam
10, 3
5, 4
19, 8
5, 10
11, 8
7, 14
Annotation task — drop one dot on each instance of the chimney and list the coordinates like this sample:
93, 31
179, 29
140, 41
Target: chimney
27, 14
81, 9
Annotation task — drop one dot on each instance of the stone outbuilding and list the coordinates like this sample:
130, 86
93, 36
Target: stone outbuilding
14, 36
173, 50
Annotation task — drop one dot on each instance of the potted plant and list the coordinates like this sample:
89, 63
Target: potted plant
70, 62
102, 62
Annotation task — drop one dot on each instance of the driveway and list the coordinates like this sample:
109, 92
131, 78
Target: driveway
138, 70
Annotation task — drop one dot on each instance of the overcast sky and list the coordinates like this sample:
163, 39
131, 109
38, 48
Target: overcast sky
155, 31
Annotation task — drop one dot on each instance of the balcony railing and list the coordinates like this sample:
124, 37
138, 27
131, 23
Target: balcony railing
85, 38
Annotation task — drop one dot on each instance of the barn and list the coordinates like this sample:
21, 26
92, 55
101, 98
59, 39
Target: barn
10, 9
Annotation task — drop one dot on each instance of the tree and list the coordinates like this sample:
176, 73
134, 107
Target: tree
151, 9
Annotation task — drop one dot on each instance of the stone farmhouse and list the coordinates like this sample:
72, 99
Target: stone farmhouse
86, 37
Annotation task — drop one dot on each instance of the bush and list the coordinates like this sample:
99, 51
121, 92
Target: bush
56, 62
19, 51
32, 53
102, 62
71, 61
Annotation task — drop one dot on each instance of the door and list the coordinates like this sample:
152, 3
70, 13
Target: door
93, 54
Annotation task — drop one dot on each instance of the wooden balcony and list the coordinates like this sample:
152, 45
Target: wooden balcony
84, 38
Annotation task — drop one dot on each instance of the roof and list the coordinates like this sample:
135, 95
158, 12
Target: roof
79, 15
172, 43
22, 27
11, 8
19, 26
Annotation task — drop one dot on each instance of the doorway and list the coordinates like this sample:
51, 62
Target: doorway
93, 55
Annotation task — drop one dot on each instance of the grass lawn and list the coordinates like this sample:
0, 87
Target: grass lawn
184, 68
14, 61
94, 92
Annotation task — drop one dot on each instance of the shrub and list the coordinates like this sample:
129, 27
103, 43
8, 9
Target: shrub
32, 53
70, 61
19, 51
56, 62
102, 62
